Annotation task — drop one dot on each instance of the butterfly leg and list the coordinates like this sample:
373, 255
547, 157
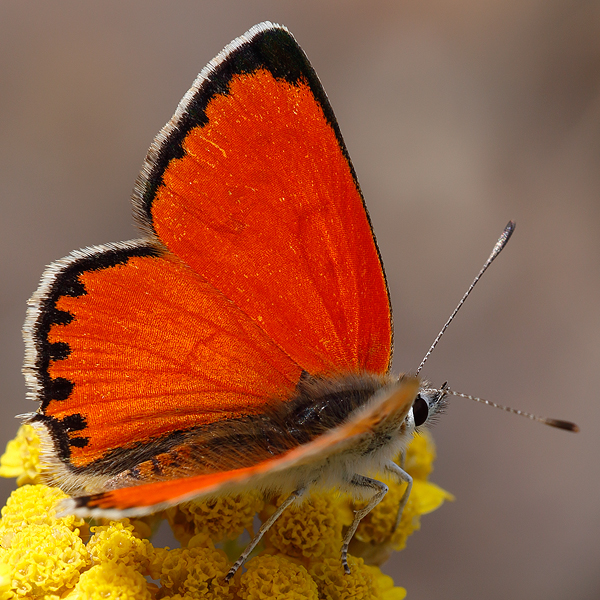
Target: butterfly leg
264, 528
403, 477
402, 458
360, 481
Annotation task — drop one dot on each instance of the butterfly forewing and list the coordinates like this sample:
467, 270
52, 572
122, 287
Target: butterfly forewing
250, 184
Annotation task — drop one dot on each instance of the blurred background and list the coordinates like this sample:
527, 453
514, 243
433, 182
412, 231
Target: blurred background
459, 116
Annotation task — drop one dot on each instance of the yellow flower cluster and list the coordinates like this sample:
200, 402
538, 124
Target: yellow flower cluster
375, 538
221, 518
43, 556
22, 457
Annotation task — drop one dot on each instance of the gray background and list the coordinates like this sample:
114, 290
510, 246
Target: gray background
458, 116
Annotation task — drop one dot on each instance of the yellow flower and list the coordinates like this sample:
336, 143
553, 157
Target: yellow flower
21, 458
375, 538
45, 560
117, 542
363, 582
5, 581
111, 581
430, 496
420, 455
310, 529
222, 518
143, 527
270, 577
384, 585
43, 556
34, 505
376, 527
196, 572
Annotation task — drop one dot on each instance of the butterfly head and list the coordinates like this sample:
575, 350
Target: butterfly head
426, 407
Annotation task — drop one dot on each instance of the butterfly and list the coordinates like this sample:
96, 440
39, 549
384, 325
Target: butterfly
245, 340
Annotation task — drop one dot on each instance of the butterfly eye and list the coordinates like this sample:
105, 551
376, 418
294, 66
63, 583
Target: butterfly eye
420, 410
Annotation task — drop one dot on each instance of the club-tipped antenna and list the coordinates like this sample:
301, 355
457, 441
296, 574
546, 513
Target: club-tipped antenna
508, 231
558, 423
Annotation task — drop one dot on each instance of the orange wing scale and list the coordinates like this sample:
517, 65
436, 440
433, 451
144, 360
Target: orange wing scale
155, 349
153, 495
265, 206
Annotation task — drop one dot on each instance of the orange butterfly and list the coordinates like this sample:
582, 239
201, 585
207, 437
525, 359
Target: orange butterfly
245, 341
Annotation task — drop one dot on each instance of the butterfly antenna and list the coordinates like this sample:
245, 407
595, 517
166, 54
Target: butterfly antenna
559, 424
508, 231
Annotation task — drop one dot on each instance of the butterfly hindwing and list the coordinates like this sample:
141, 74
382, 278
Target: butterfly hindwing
132, 346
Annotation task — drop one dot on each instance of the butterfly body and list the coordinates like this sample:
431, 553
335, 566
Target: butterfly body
245, 341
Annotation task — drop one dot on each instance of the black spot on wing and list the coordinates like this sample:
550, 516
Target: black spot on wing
66, 282
79, 442
58, 351
74, 422
59, 317
59, 388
